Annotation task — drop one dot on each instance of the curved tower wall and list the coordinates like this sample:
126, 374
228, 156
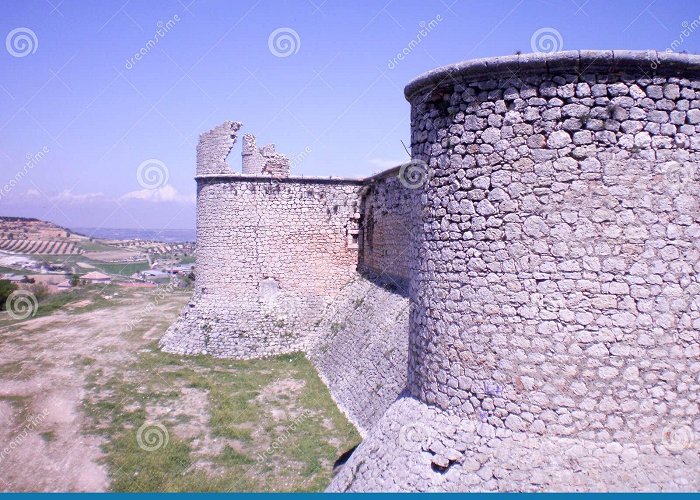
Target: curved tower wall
558, 288
272, 254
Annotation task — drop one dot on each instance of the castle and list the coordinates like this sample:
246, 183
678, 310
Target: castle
514, 309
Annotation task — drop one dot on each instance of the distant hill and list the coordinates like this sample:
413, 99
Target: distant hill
33, 236
26, 235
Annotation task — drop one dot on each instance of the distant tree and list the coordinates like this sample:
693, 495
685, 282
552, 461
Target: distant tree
27, 279
10, 236
74, 280
6, 288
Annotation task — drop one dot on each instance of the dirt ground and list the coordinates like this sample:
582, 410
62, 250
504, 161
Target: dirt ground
79, 385
42, 385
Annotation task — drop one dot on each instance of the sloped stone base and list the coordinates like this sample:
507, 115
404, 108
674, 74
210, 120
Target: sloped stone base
415, 447
361, 349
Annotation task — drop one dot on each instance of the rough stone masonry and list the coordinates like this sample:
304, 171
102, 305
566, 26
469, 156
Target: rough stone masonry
549, 261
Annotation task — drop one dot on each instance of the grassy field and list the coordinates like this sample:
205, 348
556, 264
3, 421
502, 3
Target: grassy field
118, 268
114, 268
243, 426
144, 420
15, 270
78, 300
105, 258
94, 246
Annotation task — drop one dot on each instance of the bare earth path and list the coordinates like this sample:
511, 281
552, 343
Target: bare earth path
89, 403
42, 384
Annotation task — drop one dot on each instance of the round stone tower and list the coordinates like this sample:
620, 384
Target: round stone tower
557, 297
560, 241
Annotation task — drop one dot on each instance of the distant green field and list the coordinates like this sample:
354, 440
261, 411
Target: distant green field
119, 268
116, 268
58, 259
96, 246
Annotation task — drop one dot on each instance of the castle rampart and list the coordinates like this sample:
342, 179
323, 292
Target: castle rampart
549, 254
554, 319
389, 219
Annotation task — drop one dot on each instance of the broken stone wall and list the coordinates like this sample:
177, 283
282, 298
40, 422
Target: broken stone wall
213, 148
264, 160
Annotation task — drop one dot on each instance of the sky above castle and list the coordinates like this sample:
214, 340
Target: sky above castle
102, 103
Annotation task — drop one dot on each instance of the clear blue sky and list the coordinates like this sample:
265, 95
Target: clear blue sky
95, 119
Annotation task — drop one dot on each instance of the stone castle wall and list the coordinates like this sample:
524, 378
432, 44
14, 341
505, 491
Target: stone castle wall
272, 253
554, 312
535, 287
563, 222
389, 211
270, 257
